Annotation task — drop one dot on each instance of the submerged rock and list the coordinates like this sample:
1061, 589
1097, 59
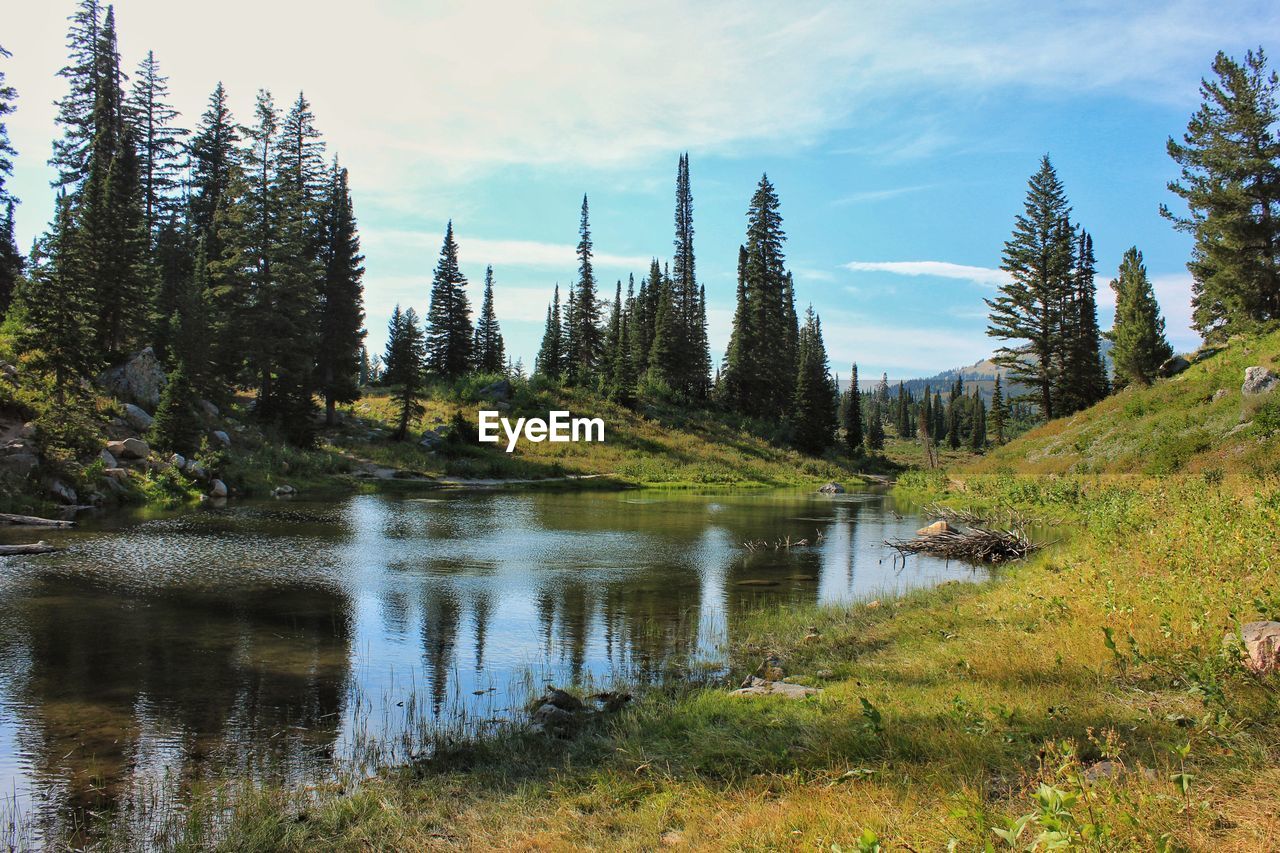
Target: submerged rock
832, 488
1259, 380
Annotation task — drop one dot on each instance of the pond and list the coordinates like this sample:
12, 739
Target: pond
279, 636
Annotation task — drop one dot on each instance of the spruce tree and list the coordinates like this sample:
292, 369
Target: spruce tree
687, 298
584, 343
75, 109
1230, 181
813, 410
1139, 344
612, 342
978, 429
1039, 258
449, 332
341, 299
8, 95
875, 427
760, 363
403, 366
550, 361
664, 356
188, 324
1082, 378
11, 261
176, 427
159, 143
999, 413
490, 352
56, 310
852, 416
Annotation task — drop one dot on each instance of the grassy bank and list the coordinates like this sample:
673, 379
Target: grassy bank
959, 716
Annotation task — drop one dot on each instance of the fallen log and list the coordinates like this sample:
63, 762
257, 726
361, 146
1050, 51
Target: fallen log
33, 521
33, 548
975, 545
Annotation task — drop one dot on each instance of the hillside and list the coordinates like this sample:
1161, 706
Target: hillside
1199, 420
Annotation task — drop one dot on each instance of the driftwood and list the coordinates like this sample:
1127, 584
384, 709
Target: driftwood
33, 548
977, 544
33, 521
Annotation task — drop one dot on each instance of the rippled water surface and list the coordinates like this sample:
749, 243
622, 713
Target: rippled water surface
159, 650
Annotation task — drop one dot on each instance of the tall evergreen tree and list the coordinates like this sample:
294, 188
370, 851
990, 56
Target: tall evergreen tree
584, 343
449, 332
159, 143
1230, 181
760, 362
188, 323
664, 356
11, 261
1039, 259
76, 108
550, 361
852, 415
690, 336
177, 427
813, 406
56, 310
403, 365
490, 352
999, 412
875, 427
1082, 379
1139, 345
341, 299
978, 428
612, 341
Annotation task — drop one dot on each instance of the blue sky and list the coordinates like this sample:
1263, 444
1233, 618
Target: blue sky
899, 136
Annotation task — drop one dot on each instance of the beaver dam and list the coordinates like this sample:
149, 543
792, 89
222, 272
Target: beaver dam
962, 535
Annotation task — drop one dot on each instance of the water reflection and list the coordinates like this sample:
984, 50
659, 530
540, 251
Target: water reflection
157, 652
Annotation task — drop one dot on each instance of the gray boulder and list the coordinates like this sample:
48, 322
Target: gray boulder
129, 448
284, 490
1259, 380
108, 460
217, 489
209, 409
550, 717
832, 489
1173, 366
62, 492
139, 380
18, 460
222, 438
195, 470
760, 687
137, 418
433, 438
178, 461
500, 390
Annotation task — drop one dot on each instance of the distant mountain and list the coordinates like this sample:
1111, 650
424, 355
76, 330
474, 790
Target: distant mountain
980, 373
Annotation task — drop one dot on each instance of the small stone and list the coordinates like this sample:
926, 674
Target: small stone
760, 687
551, 717
1103, 770
1220, 394
1262, 644
222, 438
217, 489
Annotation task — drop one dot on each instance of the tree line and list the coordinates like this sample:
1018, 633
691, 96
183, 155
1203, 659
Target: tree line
232, 250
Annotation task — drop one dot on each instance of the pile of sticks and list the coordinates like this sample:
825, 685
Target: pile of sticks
976, 544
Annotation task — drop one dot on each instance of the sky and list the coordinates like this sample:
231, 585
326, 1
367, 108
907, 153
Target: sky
899, 135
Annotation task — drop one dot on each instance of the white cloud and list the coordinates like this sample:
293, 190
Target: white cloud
523, 253
936, 269
867, 196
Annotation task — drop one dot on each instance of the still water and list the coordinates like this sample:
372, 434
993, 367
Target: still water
158, 650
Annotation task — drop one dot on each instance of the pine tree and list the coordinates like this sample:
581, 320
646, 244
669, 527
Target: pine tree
56, 311
341, 300
978, 429
1038, 258
550, 361
1230, 181
583, 343
75, 109
813, 409
490, 352
875, 427
1140, 346
852, 416
761, 360
404, 363
999, 414
188, 323
1082, 378
177, 427
612, 342
449, 332
687, 298
939, 431
158, 140
11, 261
664, 357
